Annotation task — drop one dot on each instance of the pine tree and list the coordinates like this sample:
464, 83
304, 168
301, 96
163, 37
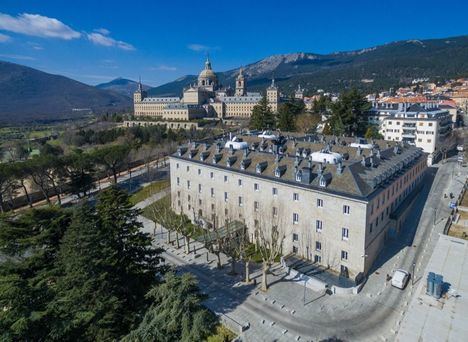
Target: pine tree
29, 244
262, 117
176, 313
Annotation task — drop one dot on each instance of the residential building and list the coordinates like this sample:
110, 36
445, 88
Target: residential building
336, 204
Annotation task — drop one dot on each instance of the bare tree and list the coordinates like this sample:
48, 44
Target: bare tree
269, 236
163, 215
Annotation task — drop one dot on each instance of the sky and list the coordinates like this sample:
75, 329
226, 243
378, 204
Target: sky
95, 41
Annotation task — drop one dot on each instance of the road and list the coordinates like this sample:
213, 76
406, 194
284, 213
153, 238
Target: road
372, 315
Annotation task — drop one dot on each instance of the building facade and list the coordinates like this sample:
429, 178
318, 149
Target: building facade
424, 124
205, 99
335, 203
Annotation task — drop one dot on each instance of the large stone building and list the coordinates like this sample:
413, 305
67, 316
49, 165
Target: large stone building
205, 99
335, 201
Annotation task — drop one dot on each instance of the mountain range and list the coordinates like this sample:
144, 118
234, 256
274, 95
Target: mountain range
27, 94
390, 65
122, 86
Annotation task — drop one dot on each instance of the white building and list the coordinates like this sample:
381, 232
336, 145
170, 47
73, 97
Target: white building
336, 204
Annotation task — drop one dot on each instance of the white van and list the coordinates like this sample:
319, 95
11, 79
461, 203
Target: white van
400, 278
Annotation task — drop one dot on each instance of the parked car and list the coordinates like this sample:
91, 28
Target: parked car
400, 278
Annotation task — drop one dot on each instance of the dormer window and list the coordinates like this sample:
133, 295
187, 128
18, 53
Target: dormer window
323, 182
299, 176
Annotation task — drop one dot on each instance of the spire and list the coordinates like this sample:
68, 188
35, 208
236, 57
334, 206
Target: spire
272, 82
140, 88
207, 62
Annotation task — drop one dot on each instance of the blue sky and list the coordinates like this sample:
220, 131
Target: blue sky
96, 41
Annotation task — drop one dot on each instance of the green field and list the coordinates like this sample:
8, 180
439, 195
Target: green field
149, 190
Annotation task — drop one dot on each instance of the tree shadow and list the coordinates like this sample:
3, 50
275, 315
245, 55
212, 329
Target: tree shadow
406, 236
137, 183
224, 292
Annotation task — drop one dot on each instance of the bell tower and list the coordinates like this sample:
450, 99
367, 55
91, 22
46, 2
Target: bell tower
240, 84
273, 96
139, 94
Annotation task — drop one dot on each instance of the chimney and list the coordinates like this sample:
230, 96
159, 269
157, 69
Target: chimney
363, 161
339, 168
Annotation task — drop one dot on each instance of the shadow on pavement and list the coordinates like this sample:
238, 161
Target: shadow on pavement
407, 234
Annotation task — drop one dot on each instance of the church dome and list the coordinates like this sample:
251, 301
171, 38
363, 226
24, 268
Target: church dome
207, 78
207, 73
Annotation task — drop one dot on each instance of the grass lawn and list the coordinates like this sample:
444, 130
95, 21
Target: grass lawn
221, 334
149, 190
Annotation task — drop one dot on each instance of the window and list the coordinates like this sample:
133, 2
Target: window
211, 175
319, 203
294, 249
212, 207
318, 226
296, 196
188, 168
323, 182
225, 197
188, 198
188, 184
240, 201
430, 124
429, 140
275, 191
199, 171
212, 192
177, 165
256, 206
344, 233
295, 218
370, 228
178, 194
344, 255
346, 209
178, 181
318, 246
225, 179
239, 182
199, 188
295, 237
256, 187
275, 211
317, 258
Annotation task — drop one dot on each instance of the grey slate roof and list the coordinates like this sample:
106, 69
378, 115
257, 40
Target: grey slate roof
359, 176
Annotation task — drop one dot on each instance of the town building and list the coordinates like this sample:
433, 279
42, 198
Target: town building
413, 120
205, 99
335, 200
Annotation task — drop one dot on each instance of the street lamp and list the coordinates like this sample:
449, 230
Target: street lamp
413, 275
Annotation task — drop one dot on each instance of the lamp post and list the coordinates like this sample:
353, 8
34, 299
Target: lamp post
413, 275
304, 297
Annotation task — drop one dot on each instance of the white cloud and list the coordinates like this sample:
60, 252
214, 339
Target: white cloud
19, 57
38, 26
98, 37
103, 31
35, 46
163, 68
201, 47
4, 38
198, 47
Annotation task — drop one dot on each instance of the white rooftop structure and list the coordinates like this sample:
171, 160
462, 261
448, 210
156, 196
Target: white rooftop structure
428, 319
